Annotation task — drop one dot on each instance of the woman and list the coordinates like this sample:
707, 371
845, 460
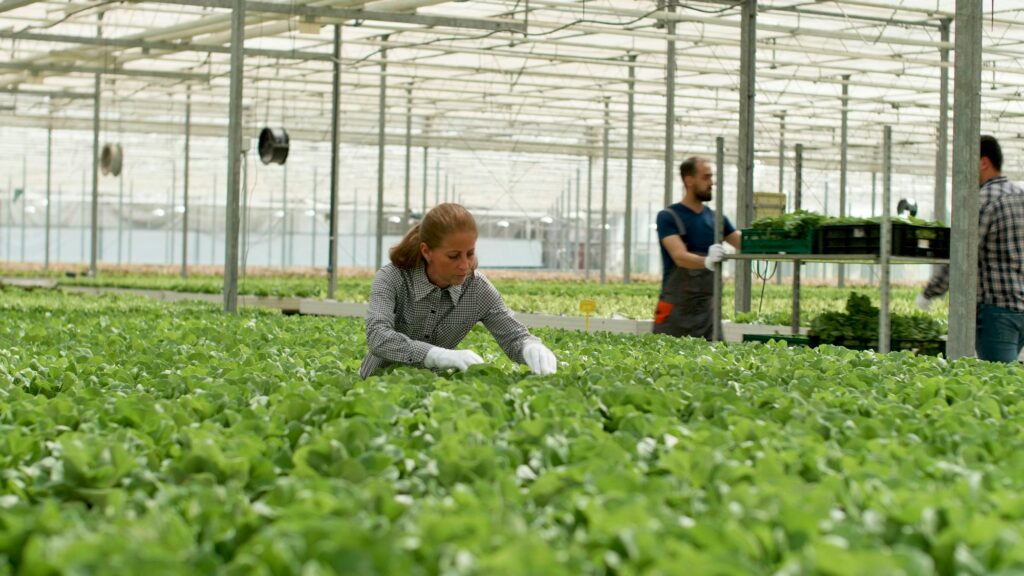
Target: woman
427, 299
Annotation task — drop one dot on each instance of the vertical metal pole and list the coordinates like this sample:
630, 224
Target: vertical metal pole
169, 255
745, 180
188, 154
843, 147
284, 217
576, 225
780, 266
716, 329
604, 195
332, 230
213, 224
446, 188
942, 148
131, 233
120, 217
49, 196
426, 159
94, 242
798, 194
586, 238
963, 278
234, 158
886, 240
408, 155
670, 102
627, 254
312, 235
24, 202
437, 181
379, 258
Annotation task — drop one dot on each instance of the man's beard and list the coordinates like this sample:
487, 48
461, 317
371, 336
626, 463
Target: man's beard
704, 196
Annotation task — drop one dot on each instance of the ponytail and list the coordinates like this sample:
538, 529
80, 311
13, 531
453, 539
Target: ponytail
406, 254
438, 223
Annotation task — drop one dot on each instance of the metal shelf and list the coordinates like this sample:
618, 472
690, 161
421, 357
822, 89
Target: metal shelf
840, 258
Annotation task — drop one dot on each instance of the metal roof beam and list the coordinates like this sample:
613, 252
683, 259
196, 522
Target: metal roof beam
349, 14
161, 46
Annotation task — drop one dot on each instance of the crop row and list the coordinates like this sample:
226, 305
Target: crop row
140, 437
634, 301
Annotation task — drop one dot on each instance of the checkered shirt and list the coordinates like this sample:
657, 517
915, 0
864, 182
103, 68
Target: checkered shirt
407, 316
1000, 248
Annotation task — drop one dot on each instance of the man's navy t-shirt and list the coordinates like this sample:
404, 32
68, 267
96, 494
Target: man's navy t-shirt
700, 233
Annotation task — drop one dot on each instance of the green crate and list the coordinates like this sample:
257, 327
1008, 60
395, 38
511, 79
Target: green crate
776, 241
789, 339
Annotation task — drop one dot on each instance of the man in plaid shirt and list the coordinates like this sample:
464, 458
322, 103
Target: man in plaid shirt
1000, 321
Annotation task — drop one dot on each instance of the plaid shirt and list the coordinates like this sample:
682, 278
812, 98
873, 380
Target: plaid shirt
1000, 248
407, 316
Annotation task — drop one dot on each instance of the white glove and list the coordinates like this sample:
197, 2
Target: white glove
715, 253
443, 358
540, 360
922, 302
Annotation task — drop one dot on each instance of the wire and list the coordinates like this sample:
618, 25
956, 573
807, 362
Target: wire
770, 268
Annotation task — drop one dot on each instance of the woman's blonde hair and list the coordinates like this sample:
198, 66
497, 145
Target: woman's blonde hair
440, 221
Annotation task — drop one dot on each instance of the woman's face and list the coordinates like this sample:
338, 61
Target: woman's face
452, 261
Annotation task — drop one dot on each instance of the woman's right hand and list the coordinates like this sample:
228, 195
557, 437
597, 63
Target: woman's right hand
442, 358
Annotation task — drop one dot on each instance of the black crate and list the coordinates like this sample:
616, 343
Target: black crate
776, 241
789, 339
923, 347
907, 240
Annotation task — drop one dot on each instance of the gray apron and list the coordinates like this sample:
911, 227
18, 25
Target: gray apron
685, 306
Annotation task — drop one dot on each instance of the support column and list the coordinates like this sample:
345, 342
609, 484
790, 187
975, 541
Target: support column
745, 160
885, 247
234, 158
94, 241
942, 146
586, 237
49, 183
627, 261
716, 329
843, 148
779, 266
963, 254
332, 230
382, 103
284, 217
408, 155
798, 195
576, 225
185, 215
604, 195
426, 158
670, 102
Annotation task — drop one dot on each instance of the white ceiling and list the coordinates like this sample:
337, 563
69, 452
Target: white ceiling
512, 116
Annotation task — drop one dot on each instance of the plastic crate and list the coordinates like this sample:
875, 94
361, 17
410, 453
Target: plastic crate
907, 240
789, 339
923, 347
776, 241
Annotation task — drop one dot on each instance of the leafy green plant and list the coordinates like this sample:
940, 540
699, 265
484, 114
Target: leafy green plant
144, 437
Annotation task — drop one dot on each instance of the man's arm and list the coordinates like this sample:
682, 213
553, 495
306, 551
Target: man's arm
682, 257
734, 239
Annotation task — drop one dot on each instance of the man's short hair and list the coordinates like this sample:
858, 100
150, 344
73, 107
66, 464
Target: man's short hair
990, 149
689, 166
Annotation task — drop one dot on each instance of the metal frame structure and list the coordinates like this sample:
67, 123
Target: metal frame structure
525, 77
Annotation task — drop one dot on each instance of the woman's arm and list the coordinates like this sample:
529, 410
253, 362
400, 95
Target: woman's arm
382, 339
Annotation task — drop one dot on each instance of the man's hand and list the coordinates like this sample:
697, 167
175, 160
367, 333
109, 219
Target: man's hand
922, 302
715, 253
443, 358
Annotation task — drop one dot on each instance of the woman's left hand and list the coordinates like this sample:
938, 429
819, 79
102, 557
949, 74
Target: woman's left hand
540, 360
